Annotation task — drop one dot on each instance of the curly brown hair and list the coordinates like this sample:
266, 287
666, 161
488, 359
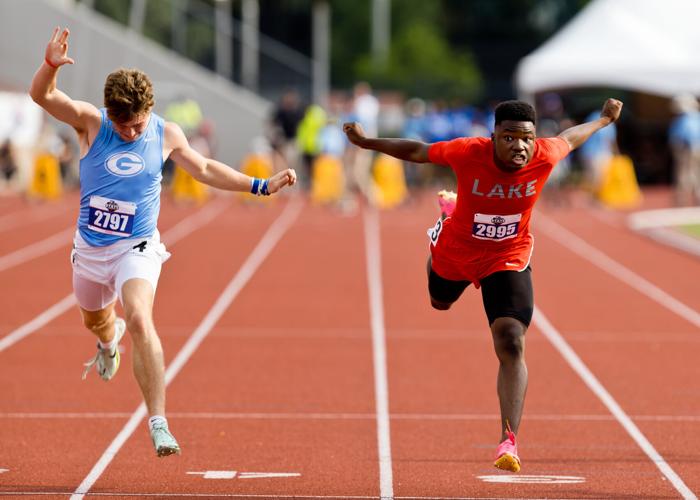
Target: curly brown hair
128, 94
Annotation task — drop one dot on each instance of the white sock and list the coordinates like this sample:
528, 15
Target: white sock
109, 345
157, 420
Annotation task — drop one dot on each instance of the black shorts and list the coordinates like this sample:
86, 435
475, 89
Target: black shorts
505, 293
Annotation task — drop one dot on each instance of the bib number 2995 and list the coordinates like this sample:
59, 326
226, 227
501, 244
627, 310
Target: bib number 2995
495, 227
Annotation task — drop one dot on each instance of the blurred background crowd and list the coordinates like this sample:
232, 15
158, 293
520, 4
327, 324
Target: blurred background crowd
267, 84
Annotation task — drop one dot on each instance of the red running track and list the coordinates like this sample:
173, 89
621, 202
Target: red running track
317, 356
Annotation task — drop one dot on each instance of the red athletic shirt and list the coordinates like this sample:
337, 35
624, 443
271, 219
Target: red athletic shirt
493, 206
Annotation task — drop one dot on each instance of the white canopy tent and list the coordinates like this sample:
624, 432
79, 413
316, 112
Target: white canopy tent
651, 46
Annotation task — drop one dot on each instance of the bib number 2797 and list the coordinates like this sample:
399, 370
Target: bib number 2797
111, 216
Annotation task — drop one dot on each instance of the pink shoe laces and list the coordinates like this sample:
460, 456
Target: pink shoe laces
508, 445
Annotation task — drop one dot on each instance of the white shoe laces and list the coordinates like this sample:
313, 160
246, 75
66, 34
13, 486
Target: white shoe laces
104, 353
100, 353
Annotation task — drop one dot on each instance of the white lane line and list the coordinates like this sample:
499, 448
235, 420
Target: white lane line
198, 219
606, 398
42, 319
172, 236
578, 246
37, 249
381, 385
269, 240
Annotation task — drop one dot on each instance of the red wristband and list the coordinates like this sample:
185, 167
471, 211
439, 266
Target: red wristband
46, 60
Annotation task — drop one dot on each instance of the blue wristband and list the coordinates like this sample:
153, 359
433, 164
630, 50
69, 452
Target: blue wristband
255, 186
263, 188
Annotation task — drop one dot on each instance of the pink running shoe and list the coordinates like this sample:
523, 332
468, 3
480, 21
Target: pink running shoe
507, 453
448, 202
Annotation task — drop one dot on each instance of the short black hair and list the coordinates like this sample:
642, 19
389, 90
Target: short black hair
517, 111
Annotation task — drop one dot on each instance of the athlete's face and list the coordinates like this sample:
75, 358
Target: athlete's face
514, 144
131, 130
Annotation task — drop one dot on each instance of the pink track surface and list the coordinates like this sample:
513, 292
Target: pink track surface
285, 381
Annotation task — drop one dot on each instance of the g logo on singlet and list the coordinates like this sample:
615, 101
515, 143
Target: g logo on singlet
125, 164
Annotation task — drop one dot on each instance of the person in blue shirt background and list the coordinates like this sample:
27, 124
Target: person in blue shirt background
684, 139
596, 153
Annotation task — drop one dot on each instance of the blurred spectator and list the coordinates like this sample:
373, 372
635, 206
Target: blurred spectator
596, 153
414, 128
331, 139
366, 112
460, 117
284, 124
366, 108
551, 106
414, 124
684, 138
187, 113
554, 191
328, 184
438, 126
20, 123
202, 139
7, 163
308, 140
68, 159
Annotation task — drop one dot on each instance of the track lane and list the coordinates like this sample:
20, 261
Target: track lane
643, 352
51, 272
441, 365
457, 375
63, 344
296, 340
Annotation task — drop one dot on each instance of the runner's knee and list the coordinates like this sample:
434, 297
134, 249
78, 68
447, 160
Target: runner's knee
138, 322
508, 338
96, 321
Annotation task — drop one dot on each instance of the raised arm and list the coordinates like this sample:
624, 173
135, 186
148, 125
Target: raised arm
82, 116
403, 149
217, 174
579, 134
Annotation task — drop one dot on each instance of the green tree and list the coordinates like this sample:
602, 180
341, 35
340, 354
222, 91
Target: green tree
117, 10
421, 63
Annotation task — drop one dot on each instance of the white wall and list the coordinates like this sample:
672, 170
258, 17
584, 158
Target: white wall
100, 45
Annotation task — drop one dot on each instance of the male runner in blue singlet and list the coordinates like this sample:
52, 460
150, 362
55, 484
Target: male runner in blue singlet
117, 250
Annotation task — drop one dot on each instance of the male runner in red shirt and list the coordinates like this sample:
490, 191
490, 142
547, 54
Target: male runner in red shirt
487, 240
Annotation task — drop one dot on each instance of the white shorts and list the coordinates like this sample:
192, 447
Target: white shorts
100, 272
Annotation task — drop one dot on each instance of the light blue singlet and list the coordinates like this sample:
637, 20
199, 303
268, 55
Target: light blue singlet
120, 184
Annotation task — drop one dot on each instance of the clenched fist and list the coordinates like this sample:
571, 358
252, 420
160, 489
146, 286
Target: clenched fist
354, 132
612, 109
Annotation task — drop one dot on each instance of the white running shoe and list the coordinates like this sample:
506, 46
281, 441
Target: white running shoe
163, 441
106, 361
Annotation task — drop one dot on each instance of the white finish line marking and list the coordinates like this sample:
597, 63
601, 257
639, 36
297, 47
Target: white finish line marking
231, 474
525, 479
216, 474
262, 475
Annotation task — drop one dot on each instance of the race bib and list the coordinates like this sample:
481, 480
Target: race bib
495, 227
111, 216
434, 232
